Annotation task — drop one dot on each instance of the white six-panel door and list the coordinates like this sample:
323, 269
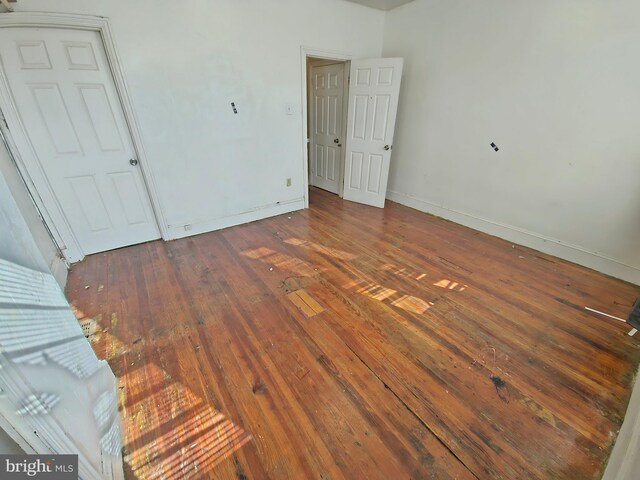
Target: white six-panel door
327, 87
374, 89
78, 145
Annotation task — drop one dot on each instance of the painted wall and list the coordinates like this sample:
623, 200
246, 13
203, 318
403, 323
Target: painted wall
39, 243
556, 86
17, 243
185, 62
7, 445
624, 462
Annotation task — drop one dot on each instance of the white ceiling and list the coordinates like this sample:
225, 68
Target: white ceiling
381, 4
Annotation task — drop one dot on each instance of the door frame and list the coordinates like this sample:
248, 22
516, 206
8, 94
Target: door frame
42, 194
346, 64
306, 52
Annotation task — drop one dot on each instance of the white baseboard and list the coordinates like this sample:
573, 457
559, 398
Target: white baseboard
523, 237
59, 270
178, 231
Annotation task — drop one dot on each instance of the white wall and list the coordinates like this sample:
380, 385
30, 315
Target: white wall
7, 445
17, 243
185, 62
15, 196
624, 462
556, 84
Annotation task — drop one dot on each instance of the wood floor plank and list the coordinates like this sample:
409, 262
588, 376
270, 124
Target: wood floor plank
329, 358
346, 341
306, 303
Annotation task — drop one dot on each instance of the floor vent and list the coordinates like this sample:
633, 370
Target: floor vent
89, 326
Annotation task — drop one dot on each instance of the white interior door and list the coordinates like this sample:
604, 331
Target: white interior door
327, 86
77, 145
374, 89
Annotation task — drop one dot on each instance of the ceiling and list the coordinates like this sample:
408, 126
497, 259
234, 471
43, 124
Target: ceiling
381, 4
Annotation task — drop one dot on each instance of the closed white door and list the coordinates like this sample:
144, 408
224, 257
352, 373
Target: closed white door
374, 88
77, 143
327, 86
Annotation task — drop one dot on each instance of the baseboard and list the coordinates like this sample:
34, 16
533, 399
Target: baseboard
252, 215
523, 237
59, 270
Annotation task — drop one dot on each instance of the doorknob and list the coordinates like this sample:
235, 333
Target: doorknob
133, 161
337, 140
387, 147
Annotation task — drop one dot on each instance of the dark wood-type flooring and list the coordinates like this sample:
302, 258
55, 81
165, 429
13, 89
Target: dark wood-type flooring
351, 342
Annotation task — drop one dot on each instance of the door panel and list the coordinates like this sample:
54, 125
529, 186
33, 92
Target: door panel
78, 138
373, 101
130, 197
101, 117
88, 198
327, 87
54, 116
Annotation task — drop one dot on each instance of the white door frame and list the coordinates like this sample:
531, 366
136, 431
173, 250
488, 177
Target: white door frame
346, 65
44, 197
325, 55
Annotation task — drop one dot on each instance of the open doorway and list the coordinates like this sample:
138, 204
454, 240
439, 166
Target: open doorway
348, 124
327, 103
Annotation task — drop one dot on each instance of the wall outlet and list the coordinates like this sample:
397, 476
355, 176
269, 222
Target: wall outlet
288, 182
187, 227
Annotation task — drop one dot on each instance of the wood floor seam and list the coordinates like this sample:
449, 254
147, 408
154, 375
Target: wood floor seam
417, 417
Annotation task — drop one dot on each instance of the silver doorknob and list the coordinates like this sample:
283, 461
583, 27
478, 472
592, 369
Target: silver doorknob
337, 140
387, 147
133, 161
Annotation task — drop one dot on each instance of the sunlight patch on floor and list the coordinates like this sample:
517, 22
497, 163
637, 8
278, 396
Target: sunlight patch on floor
179, 436
450, 285
403, 272
280, 260
411, 304
377, 291
331, 252
381, 293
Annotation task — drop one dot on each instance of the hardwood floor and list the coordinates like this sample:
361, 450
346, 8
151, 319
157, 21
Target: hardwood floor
350, 342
